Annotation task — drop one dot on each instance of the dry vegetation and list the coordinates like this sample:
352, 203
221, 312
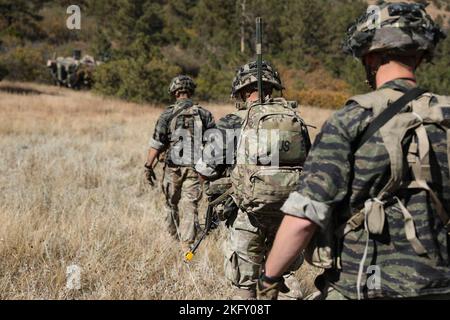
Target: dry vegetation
72, 192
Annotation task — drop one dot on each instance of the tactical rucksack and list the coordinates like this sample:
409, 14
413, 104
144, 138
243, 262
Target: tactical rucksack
186, 134
427, 110
271, 131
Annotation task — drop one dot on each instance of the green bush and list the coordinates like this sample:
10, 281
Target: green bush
25, 64
138, 80
214, 84
3, 71
435, 76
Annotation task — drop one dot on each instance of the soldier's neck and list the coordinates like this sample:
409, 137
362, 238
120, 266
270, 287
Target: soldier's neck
393, 71
182, 97
253, 97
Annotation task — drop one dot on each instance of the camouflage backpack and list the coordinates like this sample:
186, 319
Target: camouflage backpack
426, 111
186, 132
271, 131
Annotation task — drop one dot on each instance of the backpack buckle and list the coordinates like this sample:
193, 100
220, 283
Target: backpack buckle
356, 221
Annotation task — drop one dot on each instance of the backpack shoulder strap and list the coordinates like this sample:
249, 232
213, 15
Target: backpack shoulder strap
241, 114
376, 100
387, 115
431, 110
198, 121
178, 109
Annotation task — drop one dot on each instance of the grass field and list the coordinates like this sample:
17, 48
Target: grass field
72, 192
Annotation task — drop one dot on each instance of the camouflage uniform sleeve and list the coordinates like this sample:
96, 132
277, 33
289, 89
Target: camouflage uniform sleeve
327, 172
160, 138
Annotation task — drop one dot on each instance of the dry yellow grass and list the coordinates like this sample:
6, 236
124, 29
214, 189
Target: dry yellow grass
72, 192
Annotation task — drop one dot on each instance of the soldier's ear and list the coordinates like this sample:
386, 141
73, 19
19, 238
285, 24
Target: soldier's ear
419, 60
368, 60
242, 95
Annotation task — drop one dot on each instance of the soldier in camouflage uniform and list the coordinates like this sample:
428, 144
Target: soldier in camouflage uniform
340, 182
250, 237
180, 182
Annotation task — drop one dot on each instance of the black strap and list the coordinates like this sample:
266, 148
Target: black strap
270, 280
387, 115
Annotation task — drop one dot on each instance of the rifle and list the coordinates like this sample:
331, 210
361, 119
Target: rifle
212, 222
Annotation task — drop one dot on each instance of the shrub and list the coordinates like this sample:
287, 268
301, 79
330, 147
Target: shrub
25, 64
137, 80
3, 71
317, 88
320, 98
214, 84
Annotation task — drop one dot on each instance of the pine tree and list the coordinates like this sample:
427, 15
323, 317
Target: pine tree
19, 18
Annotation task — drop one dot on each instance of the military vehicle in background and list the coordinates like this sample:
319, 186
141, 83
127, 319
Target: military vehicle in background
73, 72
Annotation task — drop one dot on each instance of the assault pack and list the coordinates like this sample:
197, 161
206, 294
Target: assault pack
186, 130
272, 148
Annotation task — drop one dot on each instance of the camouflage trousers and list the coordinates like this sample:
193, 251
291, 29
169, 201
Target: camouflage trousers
249, 240
182, 190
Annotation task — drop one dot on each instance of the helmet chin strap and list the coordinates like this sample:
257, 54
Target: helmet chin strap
371, 76
408, 79
371, 73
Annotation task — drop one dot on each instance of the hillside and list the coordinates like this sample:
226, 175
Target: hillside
145, 43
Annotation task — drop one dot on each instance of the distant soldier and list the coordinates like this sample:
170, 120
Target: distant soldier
374, 198
252, 226
179, 135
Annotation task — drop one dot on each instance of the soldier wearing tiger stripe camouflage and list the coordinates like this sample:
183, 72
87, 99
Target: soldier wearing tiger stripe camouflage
378, 201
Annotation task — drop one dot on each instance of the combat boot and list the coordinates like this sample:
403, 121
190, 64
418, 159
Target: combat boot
244, 293
291, 290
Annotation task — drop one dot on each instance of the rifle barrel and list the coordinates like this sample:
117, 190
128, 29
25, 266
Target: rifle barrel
259, 58
208, 224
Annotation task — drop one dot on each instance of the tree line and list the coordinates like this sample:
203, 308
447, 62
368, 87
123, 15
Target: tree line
146, 42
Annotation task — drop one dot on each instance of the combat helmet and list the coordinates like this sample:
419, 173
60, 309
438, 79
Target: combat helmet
247, 75
401, 28
182, 83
